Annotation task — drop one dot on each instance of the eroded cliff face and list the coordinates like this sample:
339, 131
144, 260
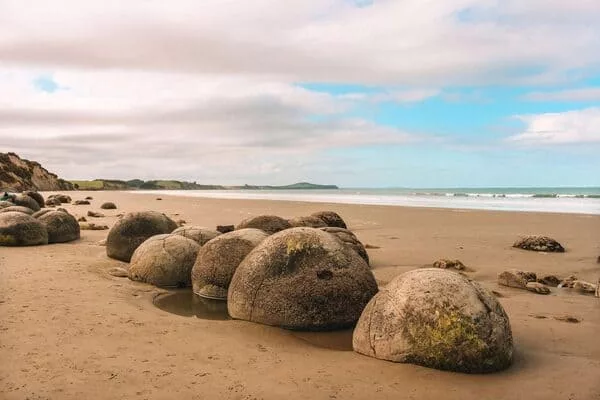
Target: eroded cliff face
17, 174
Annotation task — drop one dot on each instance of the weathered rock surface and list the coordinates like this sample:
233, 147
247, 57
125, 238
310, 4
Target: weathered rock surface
539, 243
89, 226
133, 229
550, 280
19, 229
62, 198
330, 218
584, 287
36, 196
20, 209
349, 240
61, 227
301, 278
95, 214
219, 258
516, 278
199, 234
225, 228
108, 206
23, 200
164, 261
537, 287
439, 319
446, 263
309, 221
53, 202
267, 223
81, 203
43, 211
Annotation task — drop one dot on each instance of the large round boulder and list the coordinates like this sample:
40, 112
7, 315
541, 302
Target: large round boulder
199, 234
349, 240
61, 227
303, 279
133, 229
36, 196
25, 201
21, 209
164, 261
439, 319
19, 229
310, 222
268, 223
219, 258
330, 218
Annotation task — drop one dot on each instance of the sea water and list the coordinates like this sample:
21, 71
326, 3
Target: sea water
584, 200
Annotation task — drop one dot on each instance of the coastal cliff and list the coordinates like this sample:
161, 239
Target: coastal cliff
17, 174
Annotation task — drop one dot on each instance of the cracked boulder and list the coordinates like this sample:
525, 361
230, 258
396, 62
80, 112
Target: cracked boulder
61, 227
438, 319
349, 240
301, 279
219, 258
198, 234
268, 223
133, 229
330, 218
164, 261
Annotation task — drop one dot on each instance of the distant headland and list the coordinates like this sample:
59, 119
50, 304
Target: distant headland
138, 184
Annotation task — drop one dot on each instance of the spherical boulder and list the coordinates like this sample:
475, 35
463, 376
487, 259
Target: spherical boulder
268, 223
133, 229
19, 229
199, 234
302, 279
21, 209
61, 227
219, 258
63, 198
25, 201
310, 221
539, 243
108, 206
36, 196
436, 318
164, 260
349, 240
330, 218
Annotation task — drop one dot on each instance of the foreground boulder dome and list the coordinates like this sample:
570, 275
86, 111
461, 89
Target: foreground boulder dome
61, 227
219, 258
539, 243
268, 223
19, 229
330, 218
439, 319
164, 260
133, 229
199, 234
304, 279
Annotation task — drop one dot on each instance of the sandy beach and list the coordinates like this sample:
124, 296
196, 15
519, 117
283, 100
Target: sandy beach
69, 330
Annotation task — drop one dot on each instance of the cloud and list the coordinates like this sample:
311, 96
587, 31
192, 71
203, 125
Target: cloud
569, 127
583, 94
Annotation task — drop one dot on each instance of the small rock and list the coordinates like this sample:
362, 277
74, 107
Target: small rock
89, 226
550, 280
449, 264
225, 228
81, 219
370, 246
109, 205
584, 287
568, 318
539, 243
567, 282
81, 202
537, 287
95, 214
118, 272
515, 278
89, 198
158, 198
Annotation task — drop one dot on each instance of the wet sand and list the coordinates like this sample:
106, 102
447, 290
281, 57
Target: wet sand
68, 330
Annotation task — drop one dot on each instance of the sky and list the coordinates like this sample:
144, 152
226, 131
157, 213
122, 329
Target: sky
358, 93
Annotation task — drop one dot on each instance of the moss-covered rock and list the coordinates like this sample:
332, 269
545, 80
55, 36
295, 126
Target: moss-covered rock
301, 278
439, 319
133, 229
19, 229
164, 260
61, 227
331, 218
219, 258
268, 223
199, 234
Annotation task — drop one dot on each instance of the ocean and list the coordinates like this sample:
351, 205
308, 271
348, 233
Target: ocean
577, 200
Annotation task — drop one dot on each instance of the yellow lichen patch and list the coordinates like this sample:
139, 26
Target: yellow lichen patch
296, 245
7, 240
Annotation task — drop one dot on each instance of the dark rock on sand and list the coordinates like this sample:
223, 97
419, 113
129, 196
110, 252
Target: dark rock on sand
219, 258
445, 263
81, 219
81, 203
19, 229
516, 278
330, 218
61, 227
199, 234
25, 201
550, 280
539, 243
20, 209
267, 223
164, 261
53, 202
108, 206
95, 214
133, 229
36, 196
301, 278
349, 240
89, 226
89, 198
63, 198
225, 228
438, 319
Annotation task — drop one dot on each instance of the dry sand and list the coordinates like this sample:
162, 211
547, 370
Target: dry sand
68, 330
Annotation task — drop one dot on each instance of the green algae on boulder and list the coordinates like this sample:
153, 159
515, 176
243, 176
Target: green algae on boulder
19, 229
164, 261
133, 229
439, 319
219, 258
61, 227
303, 279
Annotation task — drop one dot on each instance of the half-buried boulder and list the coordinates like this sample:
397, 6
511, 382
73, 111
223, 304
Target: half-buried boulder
36, 196
539, 243
349, 240
330, 218
133, 229
25, 201
268, 223
310, 222
303, 279
19, 229
21, 209
439, 319
108, 206
61, 227
198, 234
219, 258
164, 261
53, 202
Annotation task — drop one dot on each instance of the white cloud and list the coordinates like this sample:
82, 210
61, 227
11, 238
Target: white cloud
569, 127
583, 94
